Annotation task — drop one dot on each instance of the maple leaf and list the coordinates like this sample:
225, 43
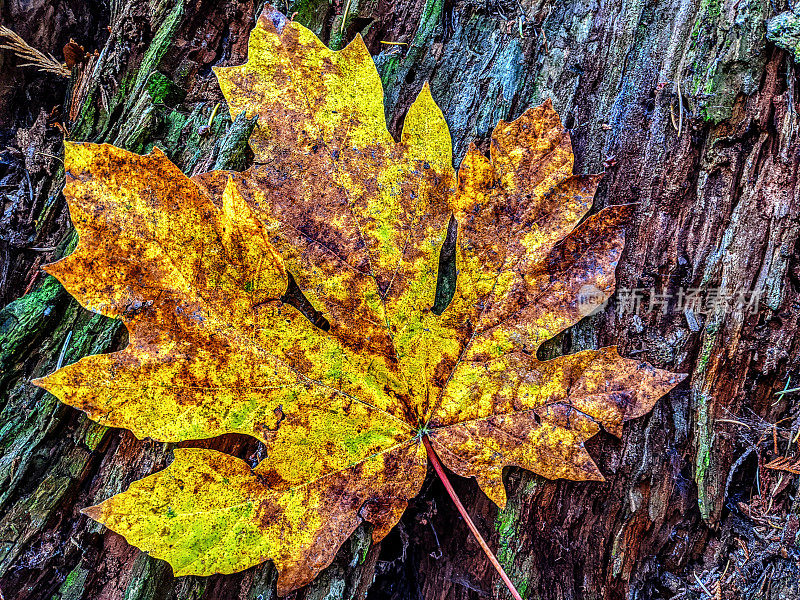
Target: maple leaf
344, 392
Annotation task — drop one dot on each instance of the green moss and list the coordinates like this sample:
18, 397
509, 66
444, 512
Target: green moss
158, 47
233, 146
73, 586
360, 543
783, 30
147, 576
706, 349
94, 435
95, 123
508, 545
174, 122
705, 441
311, 13
507, 520
704, 431
87, 117
163, 90
388, 66
431, 15
394, 68
726, 56
136, 133
338, 39
24, 315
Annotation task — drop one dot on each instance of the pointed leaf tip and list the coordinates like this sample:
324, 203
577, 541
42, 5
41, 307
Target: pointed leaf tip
427, 135
94, 512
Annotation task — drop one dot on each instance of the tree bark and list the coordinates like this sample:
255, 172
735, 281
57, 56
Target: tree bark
691, 112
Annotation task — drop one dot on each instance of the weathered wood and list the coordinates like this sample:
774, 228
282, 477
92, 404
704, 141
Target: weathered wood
691, 112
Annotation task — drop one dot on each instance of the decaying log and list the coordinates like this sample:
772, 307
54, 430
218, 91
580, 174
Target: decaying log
689, 109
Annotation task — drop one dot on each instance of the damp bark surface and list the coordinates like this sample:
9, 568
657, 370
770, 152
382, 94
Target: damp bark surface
689, 110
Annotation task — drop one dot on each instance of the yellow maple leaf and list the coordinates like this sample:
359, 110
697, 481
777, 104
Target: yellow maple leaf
198, 270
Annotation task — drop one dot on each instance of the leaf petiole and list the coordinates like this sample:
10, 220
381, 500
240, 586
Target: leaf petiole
437, 466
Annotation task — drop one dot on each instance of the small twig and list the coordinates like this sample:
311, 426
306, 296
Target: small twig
775, 439
63, 351
544, 40
437, 466
743, 546
734, 421
35, 58
787, 391
784, 464
702, 585
36, 272
58, 158
765, 577
394, 43
213, 115
344, 17
758, 471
